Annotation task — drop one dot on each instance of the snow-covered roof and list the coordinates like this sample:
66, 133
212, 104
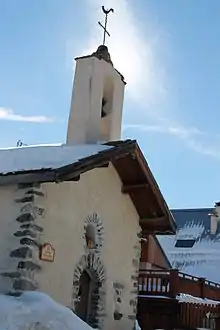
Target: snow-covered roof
59, 163
202, 259
36, 311
187, 298
183, 297
39, 157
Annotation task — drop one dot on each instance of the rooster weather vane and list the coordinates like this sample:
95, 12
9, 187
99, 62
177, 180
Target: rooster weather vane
106, 12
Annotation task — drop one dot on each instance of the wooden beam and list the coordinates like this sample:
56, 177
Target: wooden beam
156, 231
103, 165
157, 221
41, 177
154, 227
75, 179
126, 189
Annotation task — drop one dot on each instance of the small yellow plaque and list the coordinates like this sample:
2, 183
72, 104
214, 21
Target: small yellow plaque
47, 253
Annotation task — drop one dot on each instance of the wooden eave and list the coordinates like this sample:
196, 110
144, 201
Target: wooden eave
137, 181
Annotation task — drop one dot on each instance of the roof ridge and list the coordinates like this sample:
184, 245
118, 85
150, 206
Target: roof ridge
191, 209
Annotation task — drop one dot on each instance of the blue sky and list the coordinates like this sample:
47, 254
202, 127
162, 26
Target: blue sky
168, 52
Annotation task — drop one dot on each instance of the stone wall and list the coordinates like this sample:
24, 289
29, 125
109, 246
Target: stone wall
21, 243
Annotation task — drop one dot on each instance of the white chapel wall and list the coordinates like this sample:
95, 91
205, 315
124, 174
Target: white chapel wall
67, 206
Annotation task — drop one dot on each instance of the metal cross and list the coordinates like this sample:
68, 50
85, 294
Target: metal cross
106, 12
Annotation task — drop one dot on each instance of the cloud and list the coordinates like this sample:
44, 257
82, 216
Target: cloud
132, 54
178, 131
195, 139
8, 114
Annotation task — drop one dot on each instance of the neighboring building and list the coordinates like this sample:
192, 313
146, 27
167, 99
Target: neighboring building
184, 298
152, 255
72, 215
195, 247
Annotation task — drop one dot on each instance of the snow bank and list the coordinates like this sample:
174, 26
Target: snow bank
36, 311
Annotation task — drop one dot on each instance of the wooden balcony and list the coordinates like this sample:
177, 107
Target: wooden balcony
171, 283
160, 308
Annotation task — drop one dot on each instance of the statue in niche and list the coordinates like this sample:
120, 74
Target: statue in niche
90, 237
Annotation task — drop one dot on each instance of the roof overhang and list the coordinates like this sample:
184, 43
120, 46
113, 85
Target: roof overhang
138, 181
136, 177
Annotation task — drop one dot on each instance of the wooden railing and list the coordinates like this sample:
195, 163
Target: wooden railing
198, 316
166, 315
170, 283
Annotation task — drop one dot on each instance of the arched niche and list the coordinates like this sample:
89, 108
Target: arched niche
93, 232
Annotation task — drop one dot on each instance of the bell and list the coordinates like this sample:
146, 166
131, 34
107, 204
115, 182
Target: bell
103, 114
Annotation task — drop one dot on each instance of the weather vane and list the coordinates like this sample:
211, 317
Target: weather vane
106, 12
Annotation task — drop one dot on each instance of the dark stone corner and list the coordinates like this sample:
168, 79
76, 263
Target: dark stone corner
24, 285
22, 252
117, 316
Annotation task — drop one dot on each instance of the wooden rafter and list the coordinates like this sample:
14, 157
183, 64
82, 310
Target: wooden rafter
153, 221
126, 189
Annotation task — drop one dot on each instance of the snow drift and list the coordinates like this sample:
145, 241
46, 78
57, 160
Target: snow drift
37, 311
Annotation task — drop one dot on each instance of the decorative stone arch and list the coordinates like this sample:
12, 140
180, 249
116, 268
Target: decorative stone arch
93, 266
94, 230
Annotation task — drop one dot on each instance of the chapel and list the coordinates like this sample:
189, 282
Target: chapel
73, 215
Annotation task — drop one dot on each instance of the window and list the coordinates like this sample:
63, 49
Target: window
185, 243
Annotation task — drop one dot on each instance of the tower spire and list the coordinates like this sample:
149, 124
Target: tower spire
106, 12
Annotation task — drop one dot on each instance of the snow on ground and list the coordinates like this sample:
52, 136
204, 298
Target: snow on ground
137, 327
45, 156
37, 311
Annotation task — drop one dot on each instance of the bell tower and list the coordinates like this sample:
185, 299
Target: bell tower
97, 97
97, 100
